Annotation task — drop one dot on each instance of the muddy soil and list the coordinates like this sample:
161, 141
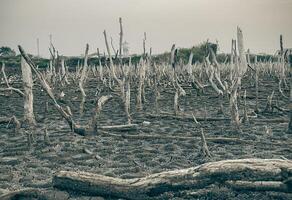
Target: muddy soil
32, 166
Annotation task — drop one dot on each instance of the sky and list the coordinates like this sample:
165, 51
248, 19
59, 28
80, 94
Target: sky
186, 23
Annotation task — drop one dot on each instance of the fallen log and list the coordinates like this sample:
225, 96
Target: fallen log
184, 117
169, 137
248, 174
124, 127
189, 117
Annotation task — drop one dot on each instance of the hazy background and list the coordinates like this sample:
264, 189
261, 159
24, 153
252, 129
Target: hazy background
73, 23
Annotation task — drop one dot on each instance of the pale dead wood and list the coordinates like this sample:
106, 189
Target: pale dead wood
269, 105
245, 116
168, 137
49, 91
9, 88
123, 83
28, 94
204, 148
141, 71
210, 73
124, 127
179, 91
240, 69
121, 39
98, 107
268, 171
83, 78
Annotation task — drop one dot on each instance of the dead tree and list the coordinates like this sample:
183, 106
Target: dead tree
261, 175
204, 147
256, 87
144, 45
9, 88
83, 79
156, 75
121, 40
215, 63
239, 71
28, 94
141, 76
245, 116
211, 73
66, 114
269, 105
179, 91
63, 71
123, 83
193, 79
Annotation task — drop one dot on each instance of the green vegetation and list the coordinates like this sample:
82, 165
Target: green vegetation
7, 52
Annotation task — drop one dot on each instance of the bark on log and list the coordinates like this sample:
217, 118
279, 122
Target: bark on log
248, 174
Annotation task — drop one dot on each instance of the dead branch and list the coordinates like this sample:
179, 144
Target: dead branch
204, 148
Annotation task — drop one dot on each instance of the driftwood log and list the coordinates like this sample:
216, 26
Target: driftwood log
244, 174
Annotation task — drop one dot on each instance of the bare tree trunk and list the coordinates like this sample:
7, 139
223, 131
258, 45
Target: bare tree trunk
144, 45
240, 69
245, 116
257, 87
124, 84
179, 91
83, 79
63, 70
121, 40
127, 100
204, 148
98, 107
28, 94
140, 85
233, 105
211, 74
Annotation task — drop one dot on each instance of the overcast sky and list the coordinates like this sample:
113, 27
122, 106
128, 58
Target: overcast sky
73, 23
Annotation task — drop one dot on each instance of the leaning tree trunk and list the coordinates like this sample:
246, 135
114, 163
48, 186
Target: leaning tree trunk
28, 94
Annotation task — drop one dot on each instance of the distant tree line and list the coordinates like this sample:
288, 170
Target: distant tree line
9, 57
